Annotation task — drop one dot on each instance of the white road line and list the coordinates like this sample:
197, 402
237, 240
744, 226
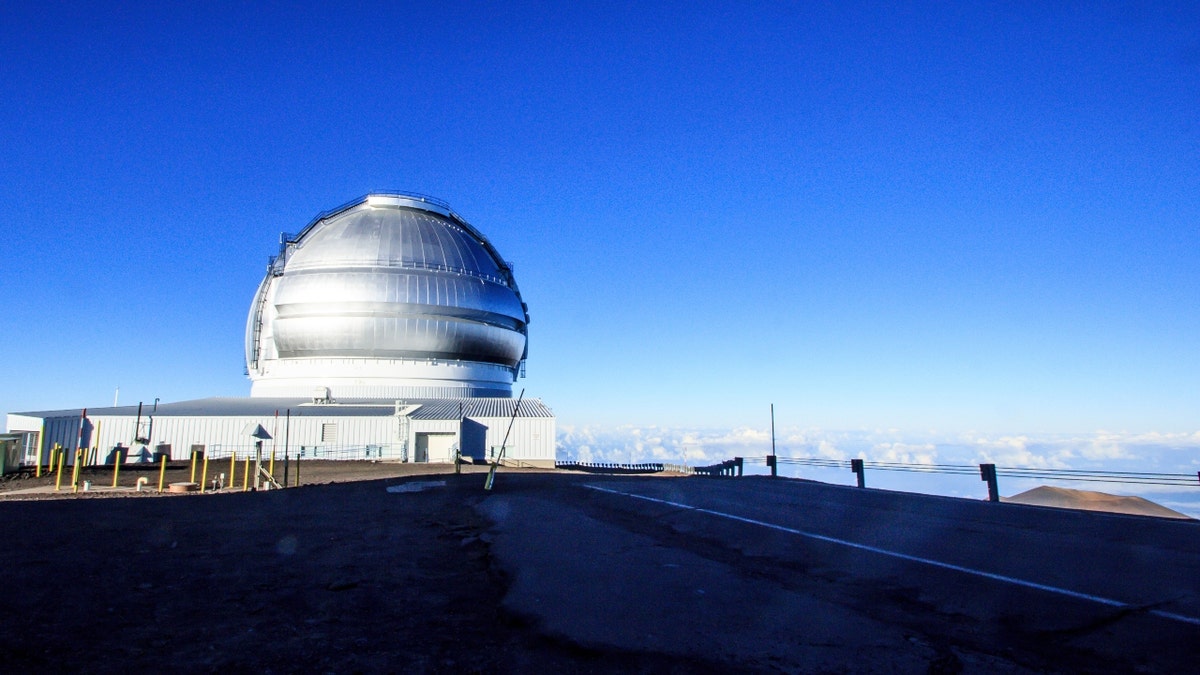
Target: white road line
911, 558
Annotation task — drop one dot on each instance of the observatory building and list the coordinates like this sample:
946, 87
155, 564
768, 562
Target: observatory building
388, 328
387, 297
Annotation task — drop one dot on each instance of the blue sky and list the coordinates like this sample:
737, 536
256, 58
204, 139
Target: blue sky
927, 218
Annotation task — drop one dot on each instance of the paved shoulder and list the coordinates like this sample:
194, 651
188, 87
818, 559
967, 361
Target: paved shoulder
597, 582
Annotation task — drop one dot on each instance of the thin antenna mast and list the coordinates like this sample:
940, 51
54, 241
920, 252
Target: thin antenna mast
503, 444
773, 460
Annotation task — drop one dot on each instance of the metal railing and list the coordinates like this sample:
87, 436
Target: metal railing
1093, 475
608, 467
277, 263
394, 451
415, 196
515, 463
678, 468
989, 473
390, 451
730, 467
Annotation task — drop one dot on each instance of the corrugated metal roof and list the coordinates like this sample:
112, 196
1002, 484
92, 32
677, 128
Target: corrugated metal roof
430, 409
448, 408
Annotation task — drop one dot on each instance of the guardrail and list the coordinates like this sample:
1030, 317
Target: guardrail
731, 467
989, 473
679, 468
512, 463
606, 467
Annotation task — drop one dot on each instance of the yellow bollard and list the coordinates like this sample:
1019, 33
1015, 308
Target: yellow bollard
117, 459
58, 481
204, 476
75, 472
53, 460
271, 469
246, 475
95, 444
162, 472
232, 470
193, 478
41, 439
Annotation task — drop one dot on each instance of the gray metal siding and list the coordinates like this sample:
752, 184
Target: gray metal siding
532, 437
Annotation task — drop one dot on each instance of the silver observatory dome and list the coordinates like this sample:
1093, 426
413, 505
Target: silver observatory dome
391, 296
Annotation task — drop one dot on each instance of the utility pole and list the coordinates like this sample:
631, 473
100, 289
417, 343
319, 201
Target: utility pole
773, 461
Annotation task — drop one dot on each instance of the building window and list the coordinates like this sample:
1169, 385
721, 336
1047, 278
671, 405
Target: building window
329, 433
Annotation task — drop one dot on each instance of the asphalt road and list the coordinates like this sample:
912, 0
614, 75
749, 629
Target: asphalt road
789, 575
575, 573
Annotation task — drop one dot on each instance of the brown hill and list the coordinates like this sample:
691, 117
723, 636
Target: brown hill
1066, 498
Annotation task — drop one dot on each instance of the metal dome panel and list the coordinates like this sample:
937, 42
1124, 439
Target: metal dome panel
390, 238
391, 279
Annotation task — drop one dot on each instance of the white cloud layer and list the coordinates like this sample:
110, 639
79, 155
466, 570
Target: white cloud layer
1110, 451
1161, 452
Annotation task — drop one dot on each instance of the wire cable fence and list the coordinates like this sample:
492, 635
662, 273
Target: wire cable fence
1087, 475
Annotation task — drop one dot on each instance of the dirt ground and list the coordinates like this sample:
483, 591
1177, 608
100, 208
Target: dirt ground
337, 576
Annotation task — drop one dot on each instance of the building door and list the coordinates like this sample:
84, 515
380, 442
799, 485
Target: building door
421, 453
434, 447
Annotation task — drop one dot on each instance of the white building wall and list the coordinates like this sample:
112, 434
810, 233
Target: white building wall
433, 427
224, 435
18, 423
531, 440
62, 431
344, 438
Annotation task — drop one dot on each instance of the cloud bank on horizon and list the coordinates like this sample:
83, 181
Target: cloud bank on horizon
1152, 452
1102, 450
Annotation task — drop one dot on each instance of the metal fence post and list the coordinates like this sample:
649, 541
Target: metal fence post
856, 465
987, 472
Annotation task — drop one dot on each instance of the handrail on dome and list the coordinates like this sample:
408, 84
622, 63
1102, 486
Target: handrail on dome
275, 264
416, 196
